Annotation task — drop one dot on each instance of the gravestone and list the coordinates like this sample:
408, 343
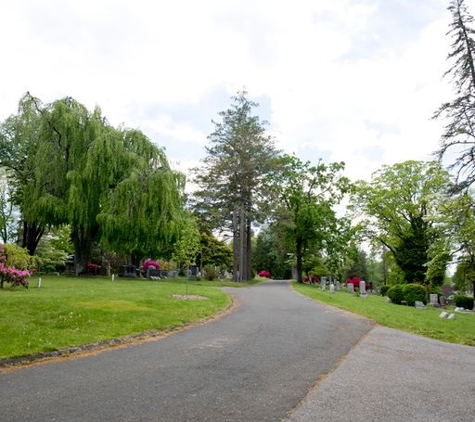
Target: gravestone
443, 301
351, 288
153, 273
451, 316
434, 300
443, 315
127, 271
332, 288
363, 287
338, 286
323, 284
420, 305
192, 272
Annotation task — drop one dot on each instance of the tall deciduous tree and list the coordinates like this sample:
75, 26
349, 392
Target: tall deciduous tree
19, 141
459, 114
71, 167
231, 181
400, 204
458, 223
308, 194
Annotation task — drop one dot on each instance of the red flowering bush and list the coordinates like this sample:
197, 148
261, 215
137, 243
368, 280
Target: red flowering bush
93, 268
264, 273
14, 265
312, 279
356, 282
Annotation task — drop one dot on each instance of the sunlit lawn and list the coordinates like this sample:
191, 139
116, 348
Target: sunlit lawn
423, 322
67, 312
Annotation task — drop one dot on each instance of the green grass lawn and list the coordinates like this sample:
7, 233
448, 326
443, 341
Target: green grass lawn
422, 322
68, 312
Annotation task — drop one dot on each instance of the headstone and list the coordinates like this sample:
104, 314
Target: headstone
443, 315
351, 288
332, 288
451, 316
420, 305
434, 299
323, 284
338, 286
153, 273
193, 272
443, 301
362, 287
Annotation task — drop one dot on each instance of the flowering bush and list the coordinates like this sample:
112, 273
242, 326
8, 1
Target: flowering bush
312, 279
264, 273
93, 268
14, 265
356, 283
148, 263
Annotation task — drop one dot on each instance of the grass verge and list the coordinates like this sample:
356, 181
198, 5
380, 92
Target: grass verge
69, 312
422, 322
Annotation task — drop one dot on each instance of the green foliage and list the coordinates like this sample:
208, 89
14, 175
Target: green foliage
414, 292
465, 302
402, 203
71, 167
231, 194
210, 273
54, 249
305, 195
17, 256
384, 290
396, 294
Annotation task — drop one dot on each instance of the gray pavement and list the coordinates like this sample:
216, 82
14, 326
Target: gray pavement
253, 365
394, 376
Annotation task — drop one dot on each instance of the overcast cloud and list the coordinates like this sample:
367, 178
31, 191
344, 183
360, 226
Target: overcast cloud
343, 80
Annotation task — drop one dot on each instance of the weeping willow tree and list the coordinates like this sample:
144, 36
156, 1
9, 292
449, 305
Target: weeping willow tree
19, 140
105, 183
143, 214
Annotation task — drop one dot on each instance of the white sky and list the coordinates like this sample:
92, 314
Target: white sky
351, 80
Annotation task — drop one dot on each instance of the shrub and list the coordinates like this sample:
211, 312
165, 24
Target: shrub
396, 294
462, 301
210, 273
414, 292
384, 290
14, 265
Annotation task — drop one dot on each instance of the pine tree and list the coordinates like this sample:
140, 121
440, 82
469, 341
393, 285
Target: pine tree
459, 131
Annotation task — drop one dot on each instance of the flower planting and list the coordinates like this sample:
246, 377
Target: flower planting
14, 266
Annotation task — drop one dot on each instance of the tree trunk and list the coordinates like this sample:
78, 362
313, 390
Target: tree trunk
82, 249
249, 251
32, 233
242, 245
299, 256
235, 246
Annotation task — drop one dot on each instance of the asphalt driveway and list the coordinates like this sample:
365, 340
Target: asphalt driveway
255, 364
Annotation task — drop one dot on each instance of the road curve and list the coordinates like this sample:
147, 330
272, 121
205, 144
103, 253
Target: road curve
255, 364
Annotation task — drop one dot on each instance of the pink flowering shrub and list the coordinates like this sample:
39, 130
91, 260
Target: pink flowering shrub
14, 265
264, 273
148, 263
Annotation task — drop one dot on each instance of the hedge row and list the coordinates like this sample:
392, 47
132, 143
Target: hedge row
409, 293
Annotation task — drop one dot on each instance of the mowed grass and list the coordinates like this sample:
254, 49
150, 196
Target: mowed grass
407, 318
69, 312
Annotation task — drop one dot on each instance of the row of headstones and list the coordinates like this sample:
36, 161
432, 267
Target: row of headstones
351, 287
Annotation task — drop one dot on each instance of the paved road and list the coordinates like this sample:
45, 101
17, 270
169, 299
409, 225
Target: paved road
255, 364
393, 376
